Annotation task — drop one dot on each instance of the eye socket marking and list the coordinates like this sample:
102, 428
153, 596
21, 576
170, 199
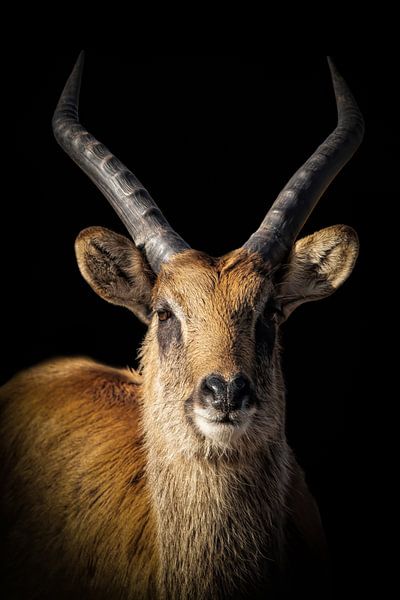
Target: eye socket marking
168, 330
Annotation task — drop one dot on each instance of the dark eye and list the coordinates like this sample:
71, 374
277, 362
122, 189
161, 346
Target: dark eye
164, 315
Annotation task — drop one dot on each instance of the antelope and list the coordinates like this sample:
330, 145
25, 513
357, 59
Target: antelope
175, 480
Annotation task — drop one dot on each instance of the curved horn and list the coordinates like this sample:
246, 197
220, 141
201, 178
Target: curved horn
283, 222
143, 219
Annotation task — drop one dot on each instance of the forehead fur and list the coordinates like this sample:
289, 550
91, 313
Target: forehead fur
239, 276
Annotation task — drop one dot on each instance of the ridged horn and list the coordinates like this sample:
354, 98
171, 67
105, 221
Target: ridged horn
285, 219
143, 219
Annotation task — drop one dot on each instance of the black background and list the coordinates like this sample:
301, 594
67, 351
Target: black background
214, 139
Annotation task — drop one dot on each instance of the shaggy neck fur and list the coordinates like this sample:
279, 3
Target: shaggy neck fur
219, 521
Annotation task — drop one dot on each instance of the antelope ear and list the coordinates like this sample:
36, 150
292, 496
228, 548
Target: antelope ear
317, 266
115, 269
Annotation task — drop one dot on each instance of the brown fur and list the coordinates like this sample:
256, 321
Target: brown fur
114, 492
75, 481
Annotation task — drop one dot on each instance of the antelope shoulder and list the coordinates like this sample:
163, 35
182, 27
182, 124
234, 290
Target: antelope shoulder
71, 442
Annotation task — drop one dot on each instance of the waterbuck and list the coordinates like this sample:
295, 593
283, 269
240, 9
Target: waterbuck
175, 481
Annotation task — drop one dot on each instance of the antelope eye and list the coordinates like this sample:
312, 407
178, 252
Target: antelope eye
164, 315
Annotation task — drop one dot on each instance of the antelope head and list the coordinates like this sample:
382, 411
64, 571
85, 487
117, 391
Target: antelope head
210, 360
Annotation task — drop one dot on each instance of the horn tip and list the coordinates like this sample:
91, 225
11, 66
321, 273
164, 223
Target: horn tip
67, 107
76, 73
345, 99
80, 60
333, 68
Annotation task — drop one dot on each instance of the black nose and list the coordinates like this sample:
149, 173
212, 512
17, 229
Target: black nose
225, 395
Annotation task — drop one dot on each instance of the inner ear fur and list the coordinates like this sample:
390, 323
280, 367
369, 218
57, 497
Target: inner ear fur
115, 269
317, 266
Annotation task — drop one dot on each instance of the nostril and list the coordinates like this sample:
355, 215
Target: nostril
239, 391
240, 383
214, 391
216, 385
223, 395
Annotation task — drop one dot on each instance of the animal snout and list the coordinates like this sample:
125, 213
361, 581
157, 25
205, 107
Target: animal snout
224, 395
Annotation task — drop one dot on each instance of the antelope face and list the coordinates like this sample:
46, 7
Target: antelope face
210, 360
210, 329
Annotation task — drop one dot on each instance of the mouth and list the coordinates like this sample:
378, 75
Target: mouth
224, 418
221, 427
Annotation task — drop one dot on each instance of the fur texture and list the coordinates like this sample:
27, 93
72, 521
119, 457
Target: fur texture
76, 496
113, 490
